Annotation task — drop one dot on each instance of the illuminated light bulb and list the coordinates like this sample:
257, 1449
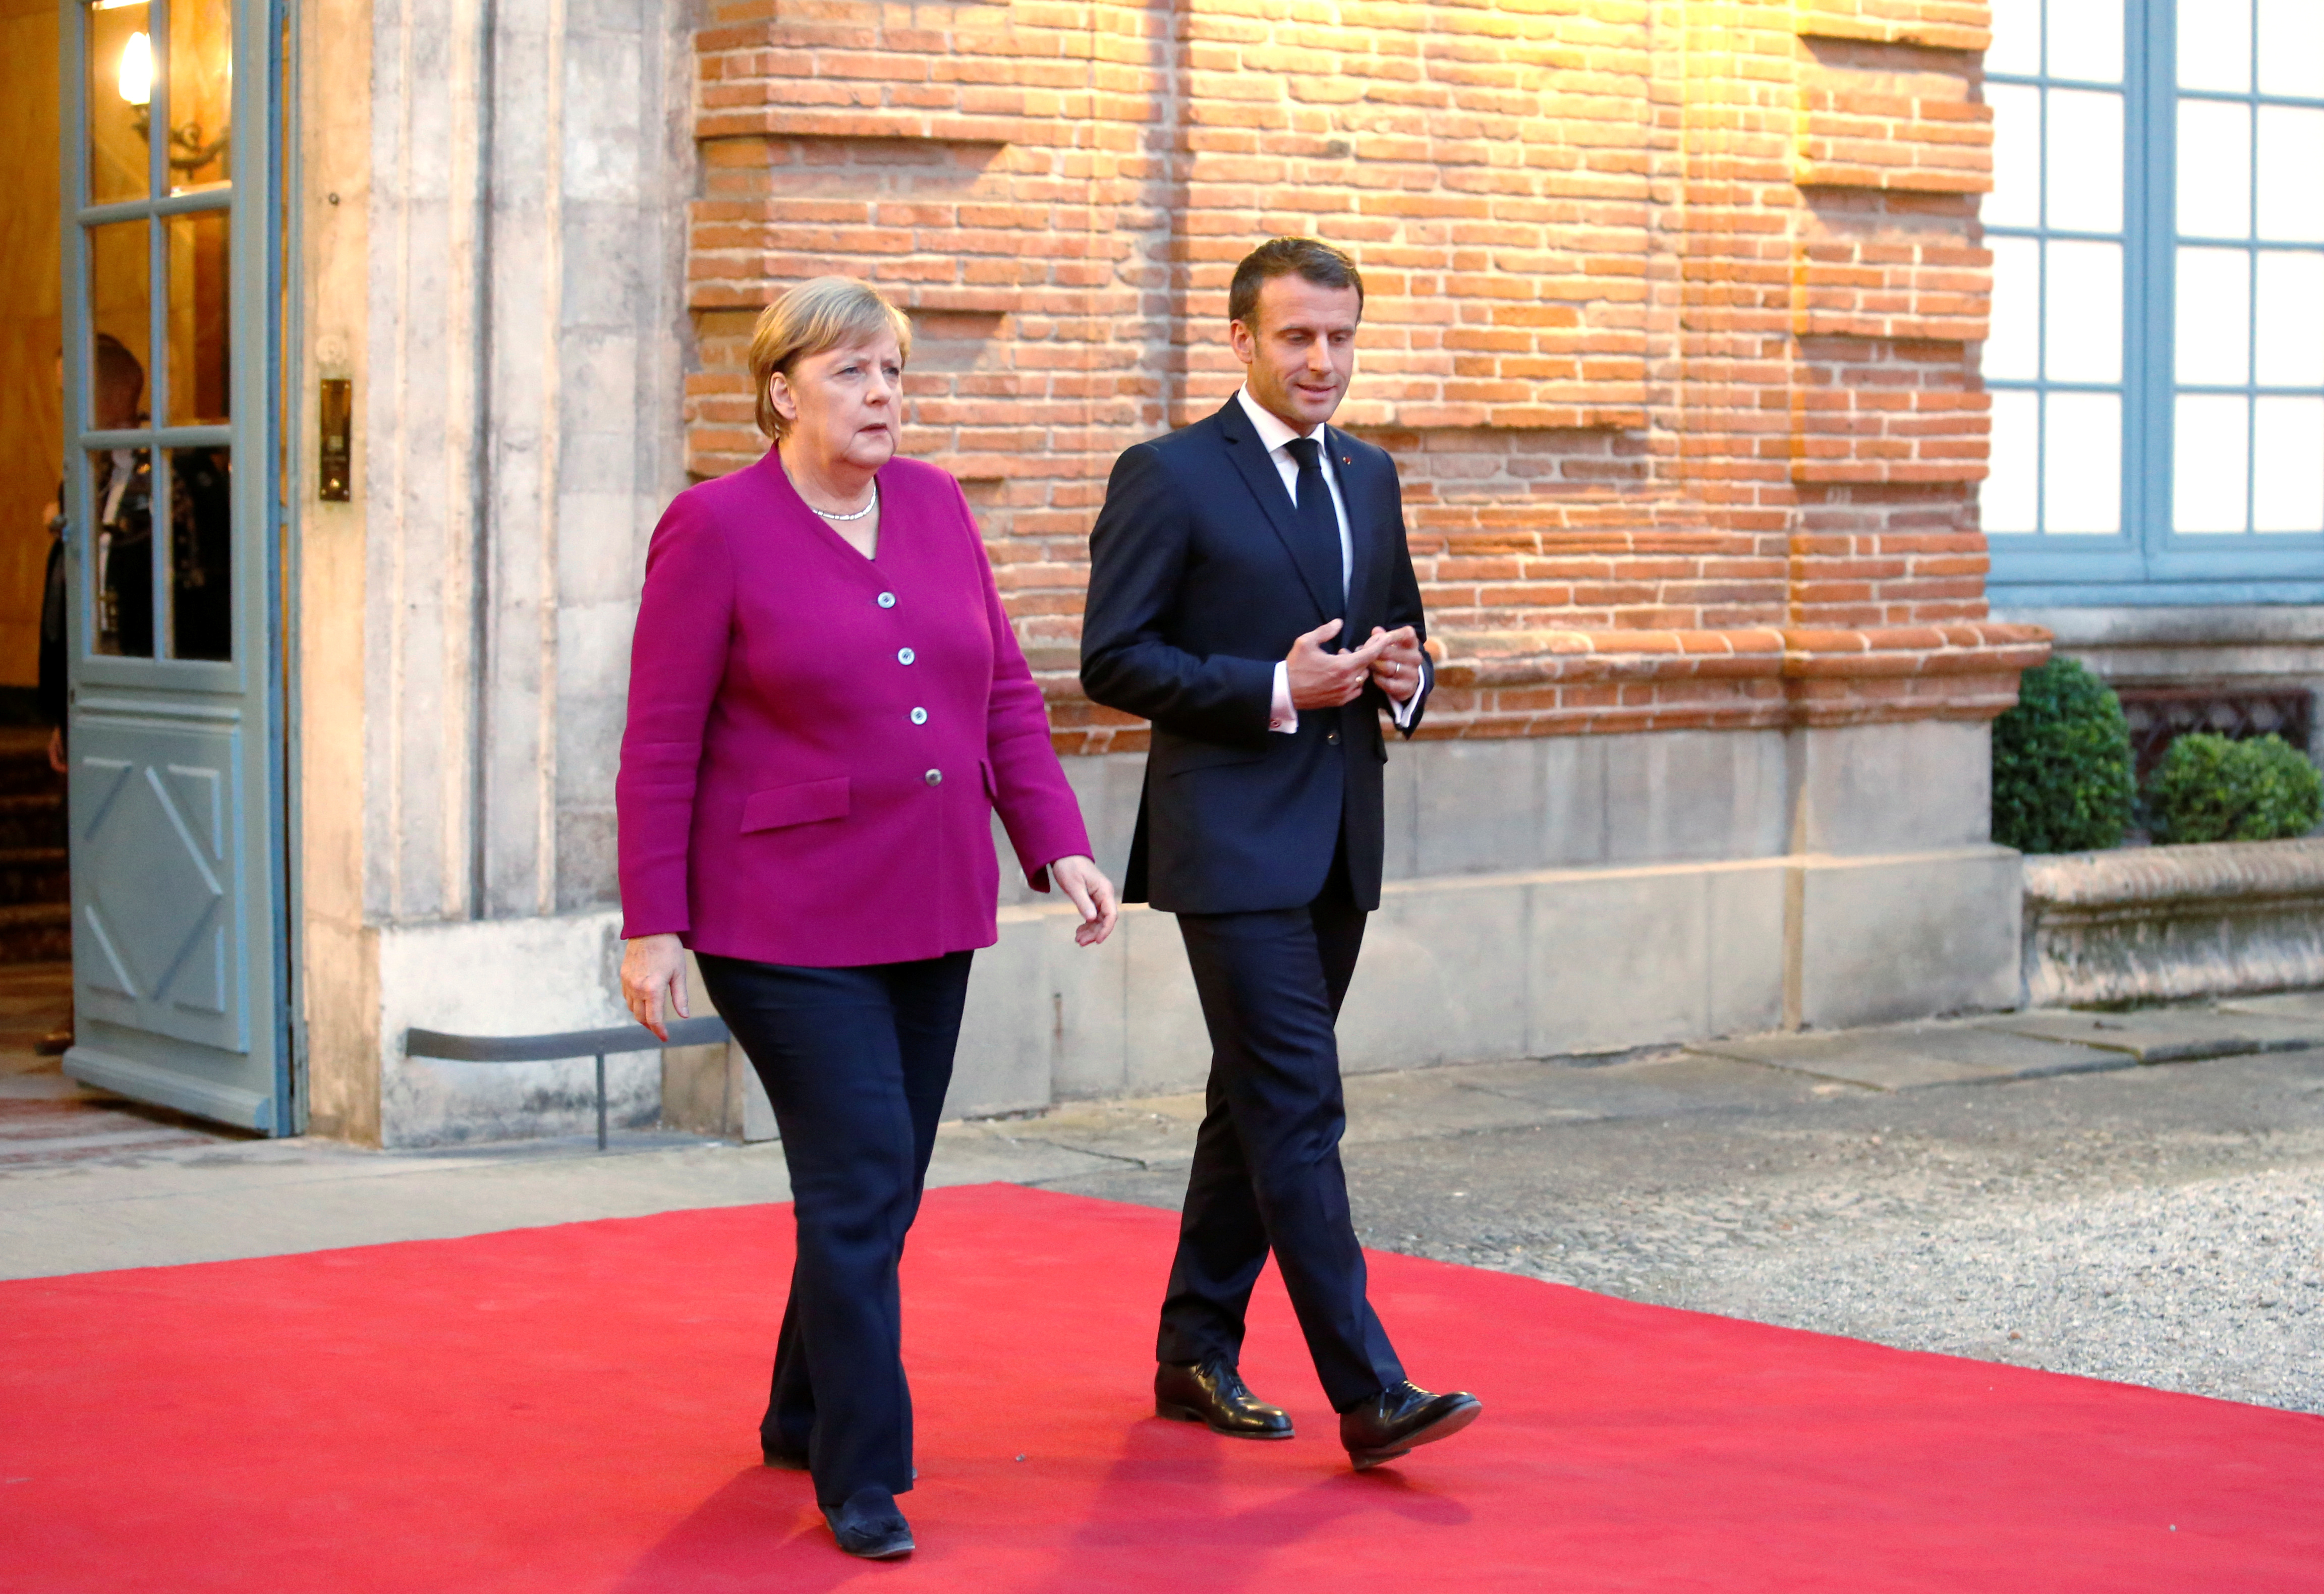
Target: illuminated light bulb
137, 71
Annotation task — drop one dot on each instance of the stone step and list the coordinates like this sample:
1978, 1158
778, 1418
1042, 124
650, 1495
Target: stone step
2034, 1044
25, 762
35, 882
1911, 1057
36, 933
31, 820
33, 874
2168, 1035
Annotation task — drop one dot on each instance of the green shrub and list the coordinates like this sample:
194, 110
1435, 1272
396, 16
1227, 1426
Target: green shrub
2208, 788
2062, 779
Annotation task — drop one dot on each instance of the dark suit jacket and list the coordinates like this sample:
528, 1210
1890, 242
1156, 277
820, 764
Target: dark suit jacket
1194, 595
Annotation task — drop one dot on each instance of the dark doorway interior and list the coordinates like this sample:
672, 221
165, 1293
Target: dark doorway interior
35, 890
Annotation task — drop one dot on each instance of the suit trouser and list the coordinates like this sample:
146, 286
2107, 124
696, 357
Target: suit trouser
855, 1062
1266, 1171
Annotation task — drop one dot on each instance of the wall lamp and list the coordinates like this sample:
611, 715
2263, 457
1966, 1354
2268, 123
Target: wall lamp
187, 152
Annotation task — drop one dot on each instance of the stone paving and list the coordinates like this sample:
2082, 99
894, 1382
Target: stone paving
1943, 1188
47, 1119
2007, 1188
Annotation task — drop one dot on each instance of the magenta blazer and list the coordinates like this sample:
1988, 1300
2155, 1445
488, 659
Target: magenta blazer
816, 741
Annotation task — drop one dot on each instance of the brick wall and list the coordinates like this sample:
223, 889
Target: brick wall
1670, 324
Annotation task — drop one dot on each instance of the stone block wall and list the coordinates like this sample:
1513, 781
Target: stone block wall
488, 251
1670, 320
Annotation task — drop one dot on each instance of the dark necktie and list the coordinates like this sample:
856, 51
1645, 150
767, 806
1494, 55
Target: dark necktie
1315, 529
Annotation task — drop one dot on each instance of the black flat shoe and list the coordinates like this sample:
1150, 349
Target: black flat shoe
1213, 1392
869, 1525
1391, 1423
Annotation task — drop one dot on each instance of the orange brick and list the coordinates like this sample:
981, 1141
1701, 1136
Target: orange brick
1651, 369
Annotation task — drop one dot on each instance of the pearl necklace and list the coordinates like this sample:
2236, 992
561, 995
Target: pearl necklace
860, 513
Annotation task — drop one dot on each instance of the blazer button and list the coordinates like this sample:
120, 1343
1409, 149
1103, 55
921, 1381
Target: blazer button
1331, 735
934, 777
904, 655
919, 716
887, 600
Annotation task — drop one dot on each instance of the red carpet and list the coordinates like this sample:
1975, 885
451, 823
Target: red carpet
573, 1409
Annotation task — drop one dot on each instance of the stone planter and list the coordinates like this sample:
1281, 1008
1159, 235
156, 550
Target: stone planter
2159, 924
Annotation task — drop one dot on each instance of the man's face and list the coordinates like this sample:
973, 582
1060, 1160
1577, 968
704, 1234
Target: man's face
1302, 350
113, 405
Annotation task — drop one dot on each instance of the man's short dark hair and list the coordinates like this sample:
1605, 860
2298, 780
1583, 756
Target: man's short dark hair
1319, 264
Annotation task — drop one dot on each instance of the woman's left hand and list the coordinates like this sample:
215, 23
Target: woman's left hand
1082, 880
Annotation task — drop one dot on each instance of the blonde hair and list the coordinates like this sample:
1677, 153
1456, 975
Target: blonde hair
814, 319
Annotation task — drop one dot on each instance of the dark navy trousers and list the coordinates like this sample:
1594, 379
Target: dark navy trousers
1267, 1172
855, 1062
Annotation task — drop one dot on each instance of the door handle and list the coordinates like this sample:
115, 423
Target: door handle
334, 408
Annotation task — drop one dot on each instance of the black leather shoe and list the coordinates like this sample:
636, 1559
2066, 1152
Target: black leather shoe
1391, 1423
1213, 1392
869, 1525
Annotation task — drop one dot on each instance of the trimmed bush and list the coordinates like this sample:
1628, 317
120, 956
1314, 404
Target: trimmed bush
2063, 775
2208, 788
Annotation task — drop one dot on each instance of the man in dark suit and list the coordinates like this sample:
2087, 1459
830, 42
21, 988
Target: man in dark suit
1233, 565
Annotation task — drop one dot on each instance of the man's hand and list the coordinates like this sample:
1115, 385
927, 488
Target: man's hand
1326, 680
653, 981
1397, 667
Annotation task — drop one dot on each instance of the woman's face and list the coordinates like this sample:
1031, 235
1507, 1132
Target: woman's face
842, 405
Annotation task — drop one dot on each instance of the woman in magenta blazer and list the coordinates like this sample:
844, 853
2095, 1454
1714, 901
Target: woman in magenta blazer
826, 705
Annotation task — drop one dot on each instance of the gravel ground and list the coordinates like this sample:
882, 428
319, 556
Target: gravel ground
2161, 1226
2215, 1287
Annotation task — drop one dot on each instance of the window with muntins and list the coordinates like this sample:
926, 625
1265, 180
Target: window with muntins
2155, 360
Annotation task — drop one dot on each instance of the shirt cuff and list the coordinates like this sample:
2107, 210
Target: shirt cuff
1280, 716
1402, 713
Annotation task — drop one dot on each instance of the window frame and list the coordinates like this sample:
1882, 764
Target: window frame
2147, 560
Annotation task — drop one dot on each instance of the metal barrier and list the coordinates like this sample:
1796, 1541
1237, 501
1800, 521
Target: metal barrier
599, 1044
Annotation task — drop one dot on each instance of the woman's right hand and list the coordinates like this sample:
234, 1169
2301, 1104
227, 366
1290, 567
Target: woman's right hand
654, 966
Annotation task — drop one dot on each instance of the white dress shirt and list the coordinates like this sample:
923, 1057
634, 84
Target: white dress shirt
1277, 434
